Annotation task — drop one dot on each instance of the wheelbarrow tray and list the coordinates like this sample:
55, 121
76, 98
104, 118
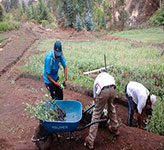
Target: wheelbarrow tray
73, 110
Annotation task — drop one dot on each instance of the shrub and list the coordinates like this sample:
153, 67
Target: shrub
9, 17
156, 123
53, 26
99, 15
45, 23
16, 26
3, 26
17, 14
6, 26
158, 18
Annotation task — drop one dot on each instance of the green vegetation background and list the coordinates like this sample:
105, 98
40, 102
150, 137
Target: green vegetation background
125, 62
143, 64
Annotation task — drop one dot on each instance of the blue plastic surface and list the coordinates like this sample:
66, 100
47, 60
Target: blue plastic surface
73, 111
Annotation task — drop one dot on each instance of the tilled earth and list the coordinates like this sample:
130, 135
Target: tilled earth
16, 126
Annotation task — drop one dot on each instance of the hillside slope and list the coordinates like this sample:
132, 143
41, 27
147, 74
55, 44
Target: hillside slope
141, 10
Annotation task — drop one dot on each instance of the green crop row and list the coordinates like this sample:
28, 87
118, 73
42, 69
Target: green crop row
125, 62
152, 35
144, 64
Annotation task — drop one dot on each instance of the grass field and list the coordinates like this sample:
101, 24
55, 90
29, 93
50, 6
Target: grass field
152, 35
143, 64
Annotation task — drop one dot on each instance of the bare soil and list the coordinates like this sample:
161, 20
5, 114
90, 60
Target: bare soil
16, 126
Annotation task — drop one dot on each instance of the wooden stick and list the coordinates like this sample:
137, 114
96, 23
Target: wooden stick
96, 70
105, 62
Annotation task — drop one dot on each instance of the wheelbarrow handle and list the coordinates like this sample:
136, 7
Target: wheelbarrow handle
61, 111
88, 109
88, 125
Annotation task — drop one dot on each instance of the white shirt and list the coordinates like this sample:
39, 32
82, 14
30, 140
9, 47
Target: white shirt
139, 94
103, 79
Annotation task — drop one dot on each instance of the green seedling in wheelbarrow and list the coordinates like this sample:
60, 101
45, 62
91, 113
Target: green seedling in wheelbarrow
46, 110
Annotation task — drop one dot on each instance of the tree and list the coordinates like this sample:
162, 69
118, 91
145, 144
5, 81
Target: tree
42, 12
30, 2
69, 12
103, 24
6, 4
33, 12
78, 24
29, 12
159, 17
89, 24
2, 11
14, 4
113, 12
23, 6
76, 13
60, 14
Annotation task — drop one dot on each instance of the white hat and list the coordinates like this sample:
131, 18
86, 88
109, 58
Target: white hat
153, 100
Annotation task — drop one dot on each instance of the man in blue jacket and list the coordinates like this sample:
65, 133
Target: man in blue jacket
51, 67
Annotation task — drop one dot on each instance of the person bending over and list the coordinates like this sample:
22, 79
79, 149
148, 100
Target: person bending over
104, 92
139, 97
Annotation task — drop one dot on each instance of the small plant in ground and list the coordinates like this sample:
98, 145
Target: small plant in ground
3, 39
53, 26
44, 23
156, 123
123, 60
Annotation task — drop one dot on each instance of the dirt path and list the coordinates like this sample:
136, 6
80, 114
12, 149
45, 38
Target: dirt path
17, 128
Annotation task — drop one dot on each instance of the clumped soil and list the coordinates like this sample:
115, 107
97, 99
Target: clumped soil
16, 125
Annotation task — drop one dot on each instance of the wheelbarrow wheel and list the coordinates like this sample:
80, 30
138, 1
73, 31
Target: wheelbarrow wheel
45, 138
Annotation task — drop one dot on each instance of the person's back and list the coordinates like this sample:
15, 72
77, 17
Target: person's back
138, 92
103, 93
139, 97
103, 79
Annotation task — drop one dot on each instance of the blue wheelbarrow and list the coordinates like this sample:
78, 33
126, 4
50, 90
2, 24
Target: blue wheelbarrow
43, 136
